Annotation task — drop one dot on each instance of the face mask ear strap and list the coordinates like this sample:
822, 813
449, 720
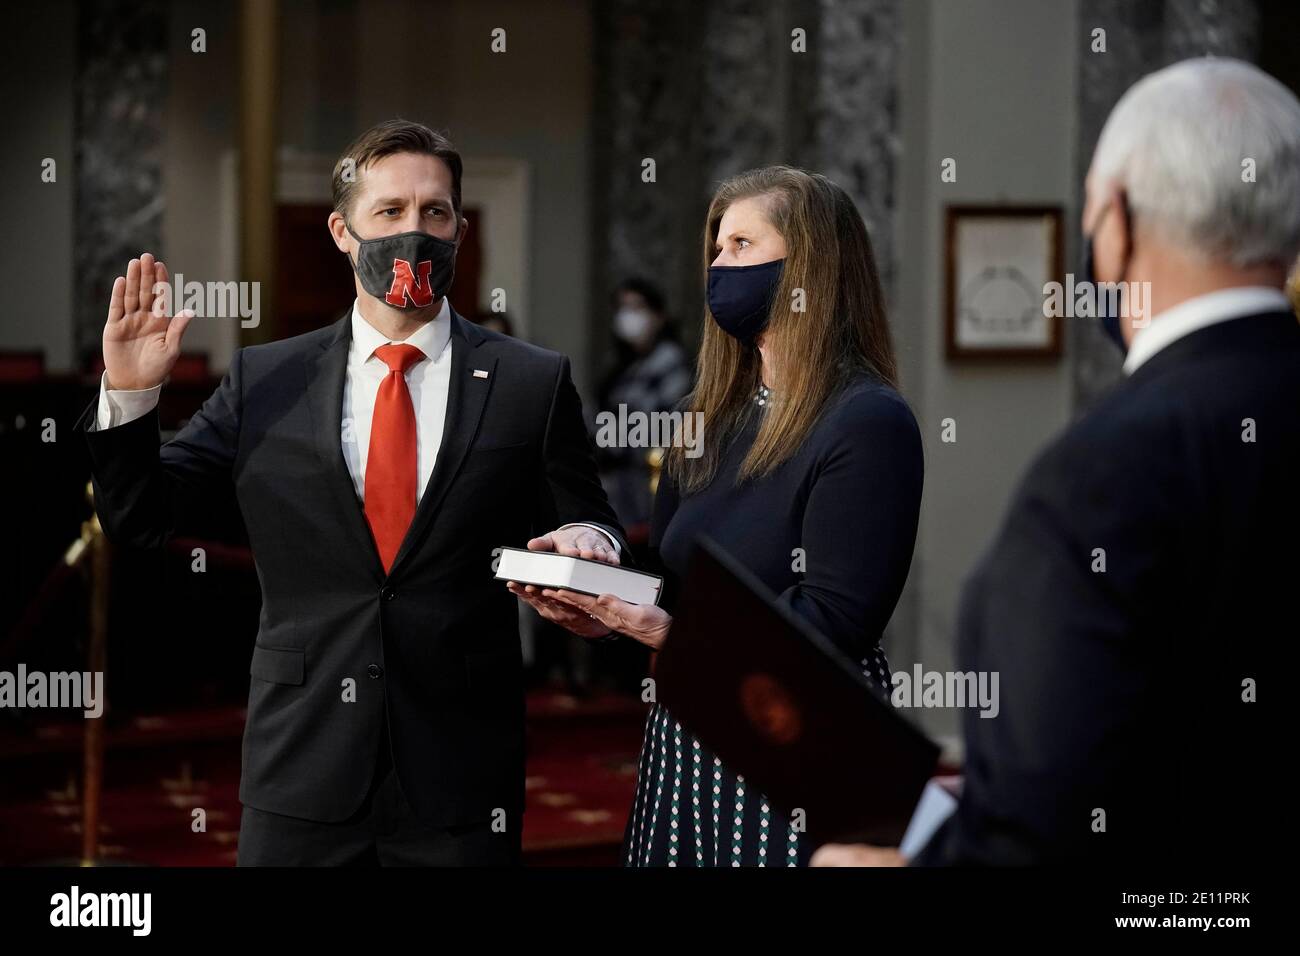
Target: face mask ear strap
1122, 199
1132, 230
348, 226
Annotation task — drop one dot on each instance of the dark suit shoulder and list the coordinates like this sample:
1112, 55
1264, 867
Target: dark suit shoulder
1116, 450
1126, 420
1145, 426
271, 354
518, 351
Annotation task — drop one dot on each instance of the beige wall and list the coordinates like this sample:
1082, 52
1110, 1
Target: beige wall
990, 83
202, 113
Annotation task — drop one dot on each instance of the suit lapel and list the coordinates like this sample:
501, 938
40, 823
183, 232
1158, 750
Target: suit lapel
467, 395
326, 371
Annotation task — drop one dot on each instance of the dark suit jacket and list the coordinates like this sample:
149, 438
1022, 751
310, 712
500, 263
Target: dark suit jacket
434, 645
1122, 690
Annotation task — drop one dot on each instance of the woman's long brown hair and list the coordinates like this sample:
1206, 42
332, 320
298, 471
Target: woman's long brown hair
840, 333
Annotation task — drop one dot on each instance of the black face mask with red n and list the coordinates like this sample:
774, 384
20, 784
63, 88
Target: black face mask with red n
410, 270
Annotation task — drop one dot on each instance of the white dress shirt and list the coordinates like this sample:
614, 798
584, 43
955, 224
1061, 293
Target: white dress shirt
428, 381
1199, 312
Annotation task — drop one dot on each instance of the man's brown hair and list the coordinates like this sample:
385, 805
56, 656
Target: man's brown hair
385, 139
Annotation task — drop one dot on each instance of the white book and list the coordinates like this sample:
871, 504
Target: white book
550, 570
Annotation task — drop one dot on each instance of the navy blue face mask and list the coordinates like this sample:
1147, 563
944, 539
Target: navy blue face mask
740, 297
1109, 320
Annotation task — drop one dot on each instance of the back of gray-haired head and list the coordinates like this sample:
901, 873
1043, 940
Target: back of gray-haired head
1208, 152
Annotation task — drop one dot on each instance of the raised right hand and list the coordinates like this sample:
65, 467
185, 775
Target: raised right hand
140, 348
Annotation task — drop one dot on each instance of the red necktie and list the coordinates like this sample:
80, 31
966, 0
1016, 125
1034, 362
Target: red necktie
391, 461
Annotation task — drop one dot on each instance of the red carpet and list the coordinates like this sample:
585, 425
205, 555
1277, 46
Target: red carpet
580, 779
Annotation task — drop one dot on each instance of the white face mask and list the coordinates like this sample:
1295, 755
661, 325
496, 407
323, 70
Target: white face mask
632, 324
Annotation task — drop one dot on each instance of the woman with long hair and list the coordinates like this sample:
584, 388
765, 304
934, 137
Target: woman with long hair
809, 474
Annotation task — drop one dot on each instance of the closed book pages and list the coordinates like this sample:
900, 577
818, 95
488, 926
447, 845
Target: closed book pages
550, 570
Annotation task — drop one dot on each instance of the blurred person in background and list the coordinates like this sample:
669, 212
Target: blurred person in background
651, 373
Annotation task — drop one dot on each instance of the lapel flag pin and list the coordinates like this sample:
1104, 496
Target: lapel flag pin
480, 373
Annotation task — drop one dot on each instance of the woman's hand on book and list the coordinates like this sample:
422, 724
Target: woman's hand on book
646, 623
558, 612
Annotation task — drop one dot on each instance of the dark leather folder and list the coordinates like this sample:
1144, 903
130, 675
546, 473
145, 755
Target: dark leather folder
781, 705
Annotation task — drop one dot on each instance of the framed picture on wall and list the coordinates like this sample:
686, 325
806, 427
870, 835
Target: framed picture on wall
998, 259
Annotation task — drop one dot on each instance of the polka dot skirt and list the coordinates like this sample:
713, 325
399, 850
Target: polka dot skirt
690, 810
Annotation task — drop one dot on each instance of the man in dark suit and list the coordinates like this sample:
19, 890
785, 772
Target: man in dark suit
377, 462
1148, 564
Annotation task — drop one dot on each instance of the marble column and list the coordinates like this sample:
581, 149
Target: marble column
647, 105
855, 120
121, 90
1141, 36
708, 91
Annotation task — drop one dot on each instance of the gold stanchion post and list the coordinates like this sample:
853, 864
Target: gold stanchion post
96, 550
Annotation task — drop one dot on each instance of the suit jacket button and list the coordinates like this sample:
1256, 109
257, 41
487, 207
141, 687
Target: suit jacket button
374, 670
388, 594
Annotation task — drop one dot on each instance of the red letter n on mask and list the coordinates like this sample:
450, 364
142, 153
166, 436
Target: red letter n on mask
420, 291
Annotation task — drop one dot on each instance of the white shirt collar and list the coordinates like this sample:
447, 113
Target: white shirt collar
1199, 312
431, 338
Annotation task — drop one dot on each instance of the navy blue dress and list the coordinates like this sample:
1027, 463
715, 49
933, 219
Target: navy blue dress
831, 532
